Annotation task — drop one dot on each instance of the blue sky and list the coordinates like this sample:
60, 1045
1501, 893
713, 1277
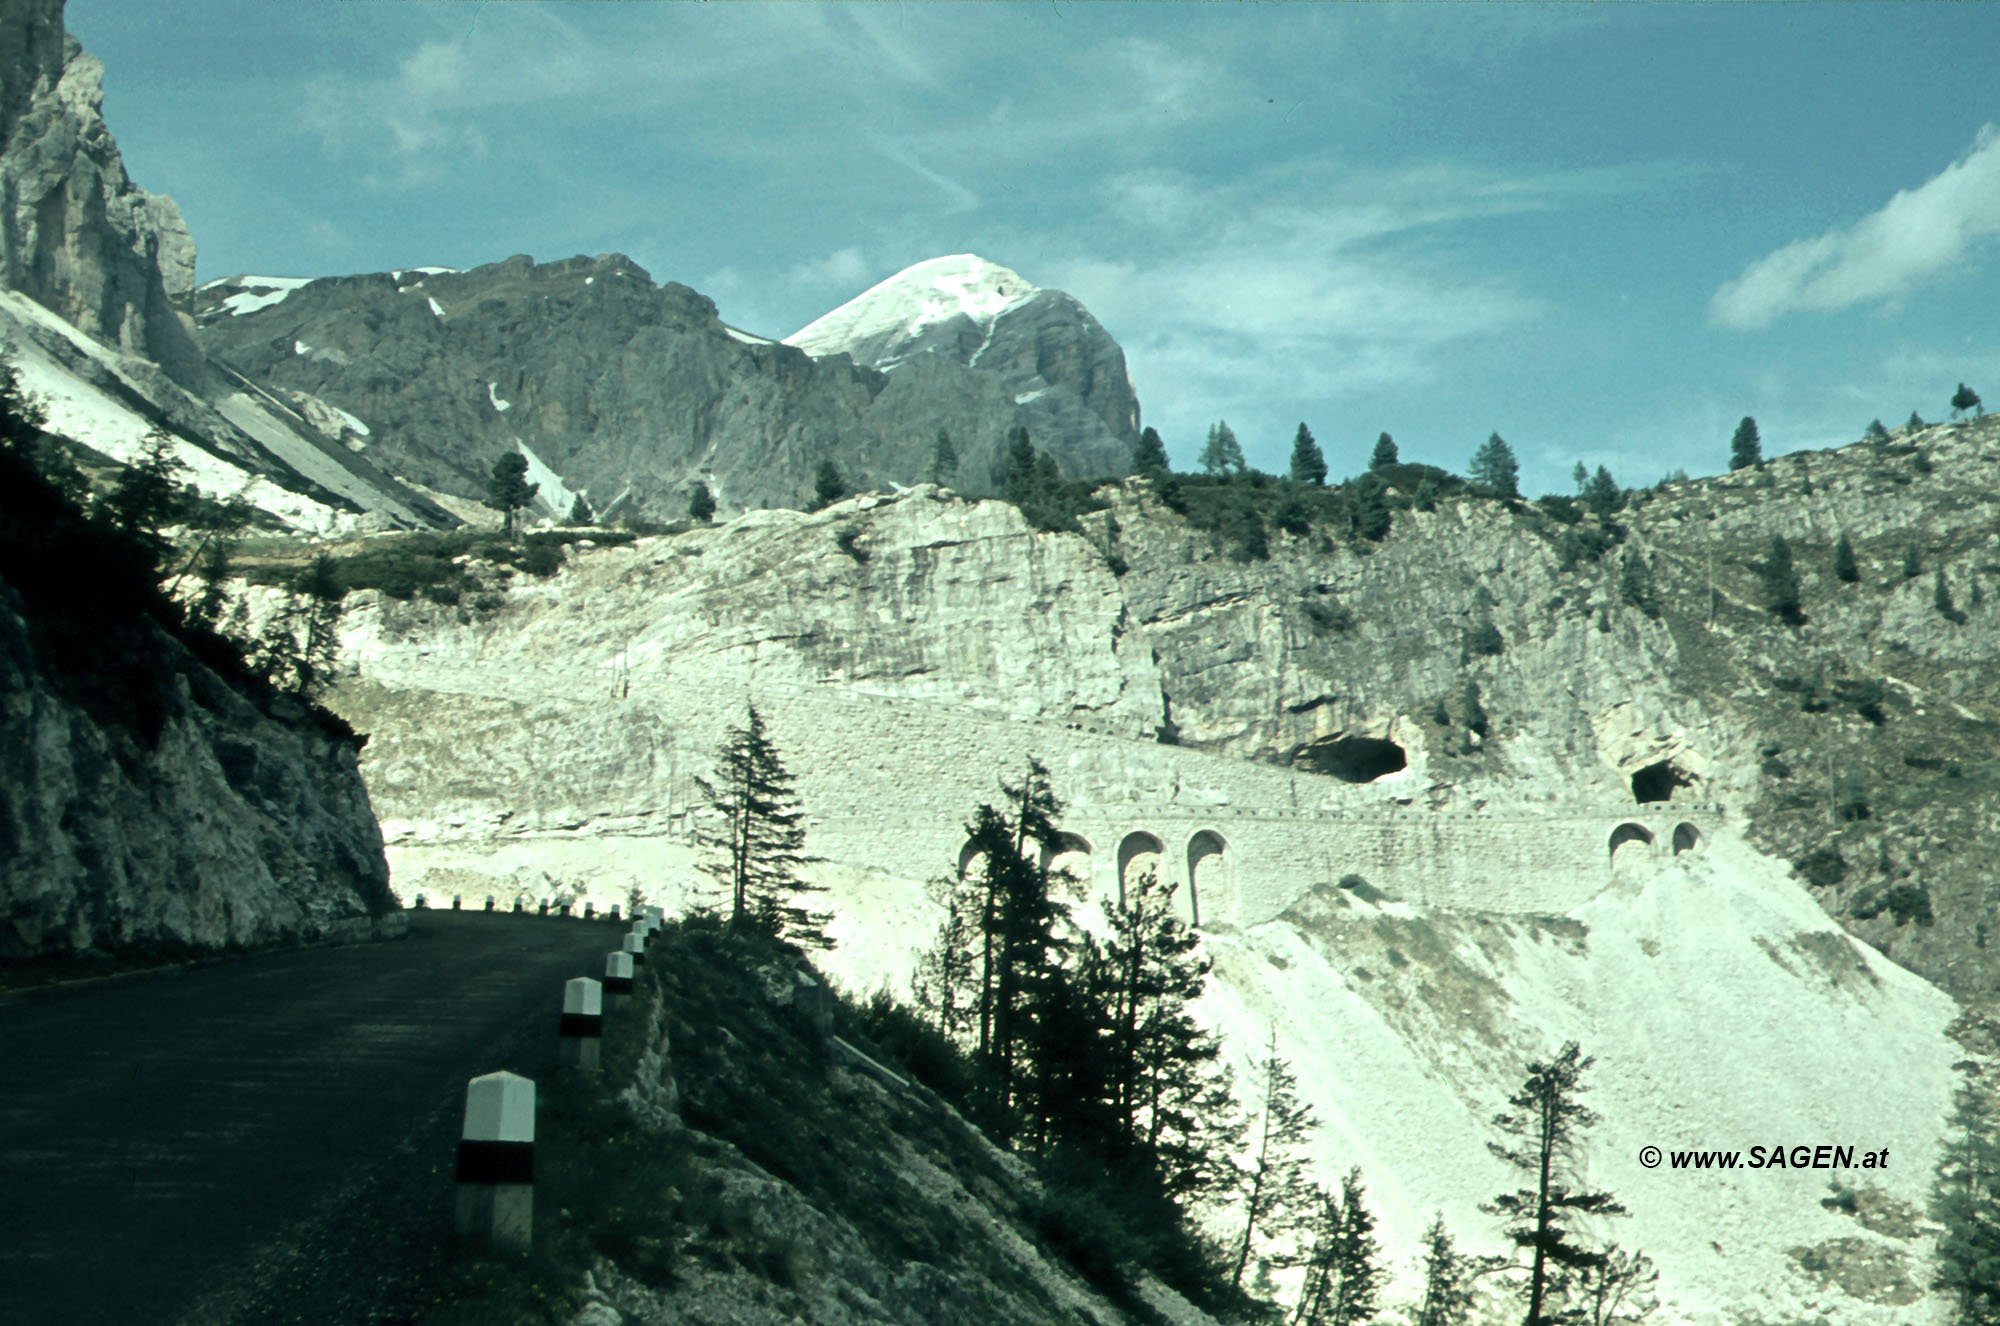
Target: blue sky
1606, 232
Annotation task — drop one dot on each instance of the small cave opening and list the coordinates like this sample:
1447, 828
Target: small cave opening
1354, 759
1656, 782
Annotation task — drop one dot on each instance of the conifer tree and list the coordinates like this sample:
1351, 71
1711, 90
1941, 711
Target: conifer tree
1546, 1120
1222, 454
946, 982
1915, 421
1494, 466
701, 503
1471, 711
1965, 1200
1781, 580
944, 459
1448, 1280
1635, 585
1845, 568
1149, 456
1278, 1198
1746, 449
1384, 454
756, 827
1876, 433
1308, 461
1602, 494
1368, 506
1965, 398
149, 495
828, 485
580, 512
508, 490
1343, 1282
1617, 1292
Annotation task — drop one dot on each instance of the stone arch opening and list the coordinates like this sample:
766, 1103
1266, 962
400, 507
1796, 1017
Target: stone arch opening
1355, 759
1656, 782
1071, 853
1139, 852
1630, 843
968, 856
1687, 838
1208, 874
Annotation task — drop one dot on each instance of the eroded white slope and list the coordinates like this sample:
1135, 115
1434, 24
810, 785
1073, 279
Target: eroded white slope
912, 299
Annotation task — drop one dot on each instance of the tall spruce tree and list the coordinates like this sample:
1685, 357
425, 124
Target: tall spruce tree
755, 826
1494, 466
1780, 580
1635, 584
1384, 454
944, 459
1546, 1121
1602, 494
1343, 1281
508, 490
1746, 449
828, 485
1965, 1201
1449, 1283
149, 495
1845, 568
1222, 454
1308, 461
1279, 1200
701, 503
946, 983
1149, 455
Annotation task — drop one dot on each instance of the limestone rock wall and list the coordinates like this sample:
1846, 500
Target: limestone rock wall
76, 235
227, 828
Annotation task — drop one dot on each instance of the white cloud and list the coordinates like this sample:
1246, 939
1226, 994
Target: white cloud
843, 269
1918, 236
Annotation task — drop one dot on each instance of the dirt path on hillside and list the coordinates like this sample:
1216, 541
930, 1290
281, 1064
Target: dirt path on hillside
264, 1140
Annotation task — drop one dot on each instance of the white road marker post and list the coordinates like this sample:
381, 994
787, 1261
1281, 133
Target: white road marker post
635, 948
496, 1163
617, 978
582, 1023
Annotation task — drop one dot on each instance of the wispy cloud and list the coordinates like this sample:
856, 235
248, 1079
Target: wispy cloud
1915, 238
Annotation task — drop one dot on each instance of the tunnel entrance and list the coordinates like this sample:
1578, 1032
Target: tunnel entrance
1686, 838
1354, 759
1656, 782
1630, 844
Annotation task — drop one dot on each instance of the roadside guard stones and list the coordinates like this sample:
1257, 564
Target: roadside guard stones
496, 1163
617, 974
582, 1023
635, 947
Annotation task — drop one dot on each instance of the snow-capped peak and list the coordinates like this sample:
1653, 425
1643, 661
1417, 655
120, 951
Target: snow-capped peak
912, 299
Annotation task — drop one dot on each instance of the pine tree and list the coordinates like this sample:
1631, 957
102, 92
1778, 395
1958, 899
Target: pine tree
1308, 461
1494, 466
1915, 422
1781, 581
1384, 454
756, 826
946, 982
1635, 585
1472, 713
828, 486
701, 503
508, 490
1746, 449
1222, 454
1343, 1281
1845, 568
1448, 1280
1368, 507
1547, 1120
1965, 1200
580, 512
1602, 494
1876, 433
1017, 468
1278, 1198
149, 495
1149, 456
1965, 398
944, 459
1617, 1292
299, 649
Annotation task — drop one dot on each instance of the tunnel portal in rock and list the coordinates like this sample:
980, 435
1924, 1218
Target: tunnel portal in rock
1070, 853
1656, 782
1687, 838
1355, 759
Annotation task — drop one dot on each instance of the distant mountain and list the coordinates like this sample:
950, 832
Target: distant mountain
1057, 360
630, 393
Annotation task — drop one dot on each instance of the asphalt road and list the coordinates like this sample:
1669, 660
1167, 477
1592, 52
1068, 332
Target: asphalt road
269, 1139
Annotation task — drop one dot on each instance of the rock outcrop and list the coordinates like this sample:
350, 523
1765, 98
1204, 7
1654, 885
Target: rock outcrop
76, 235
630, 392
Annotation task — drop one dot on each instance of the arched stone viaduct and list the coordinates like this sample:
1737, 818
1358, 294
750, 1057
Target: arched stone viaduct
1238, 869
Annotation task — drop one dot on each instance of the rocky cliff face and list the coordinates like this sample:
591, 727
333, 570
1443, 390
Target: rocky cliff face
76, 235
625, 391
209, 823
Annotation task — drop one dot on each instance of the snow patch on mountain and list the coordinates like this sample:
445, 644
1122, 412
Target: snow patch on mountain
257, 292
551, 493
960, 285
493, 395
